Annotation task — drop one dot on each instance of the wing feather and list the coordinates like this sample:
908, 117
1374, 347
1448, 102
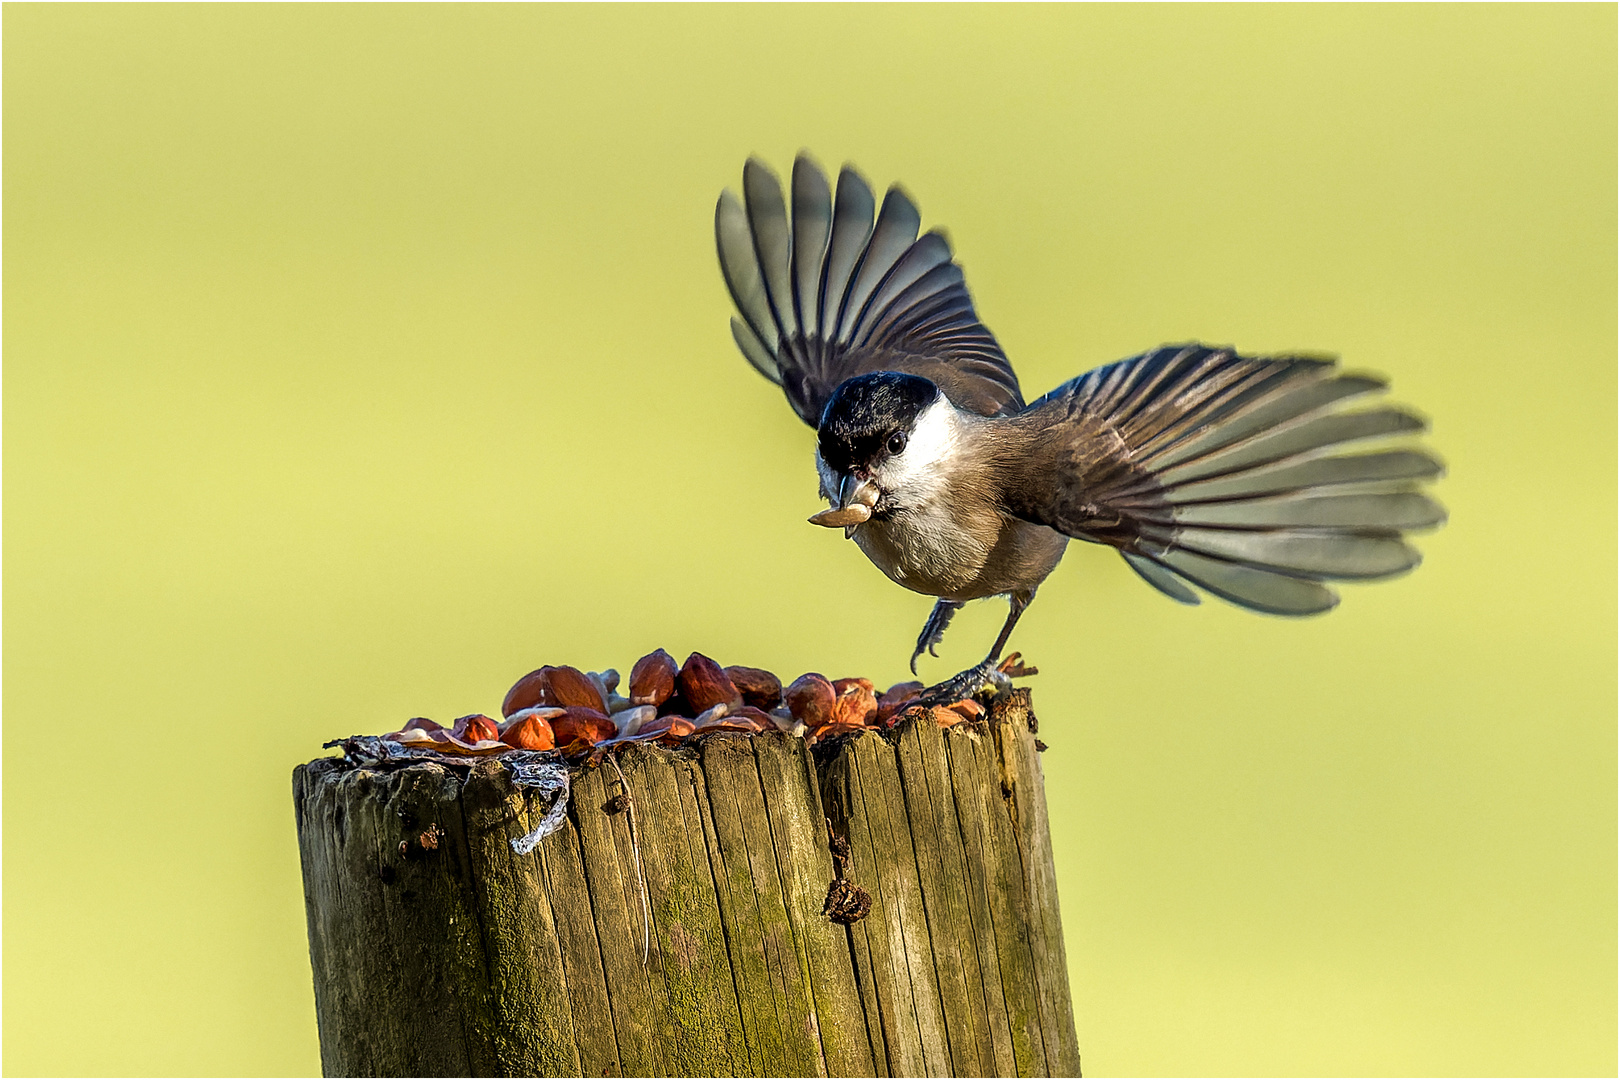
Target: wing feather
1160, 578
740, 267
767, 219
1250, 587
852, 228
755, 351
1229, 473
829, 294
931, 251
812, 228
1308, 471
896, 229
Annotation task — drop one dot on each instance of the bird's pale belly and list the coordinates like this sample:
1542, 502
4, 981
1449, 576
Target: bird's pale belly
930, 551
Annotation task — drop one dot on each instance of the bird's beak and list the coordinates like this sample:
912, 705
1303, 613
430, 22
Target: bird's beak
856, 497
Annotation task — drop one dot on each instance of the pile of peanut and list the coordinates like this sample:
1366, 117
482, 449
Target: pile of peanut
563, 708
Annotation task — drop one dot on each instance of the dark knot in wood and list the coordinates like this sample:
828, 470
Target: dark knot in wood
680, 936
846, 902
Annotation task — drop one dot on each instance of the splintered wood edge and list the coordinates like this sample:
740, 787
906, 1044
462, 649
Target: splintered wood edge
973, 966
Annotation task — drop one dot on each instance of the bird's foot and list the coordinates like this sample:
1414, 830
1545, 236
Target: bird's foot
966, 684
933, 631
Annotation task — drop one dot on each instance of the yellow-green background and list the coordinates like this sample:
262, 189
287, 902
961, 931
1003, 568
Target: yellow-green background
360, 359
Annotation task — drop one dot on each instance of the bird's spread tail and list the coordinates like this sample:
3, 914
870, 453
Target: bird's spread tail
1255, 479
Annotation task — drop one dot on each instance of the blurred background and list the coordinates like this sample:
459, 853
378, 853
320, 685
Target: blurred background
359, 359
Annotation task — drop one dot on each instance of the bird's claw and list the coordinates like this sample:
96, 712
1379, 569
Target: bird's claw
933, 631
966, 684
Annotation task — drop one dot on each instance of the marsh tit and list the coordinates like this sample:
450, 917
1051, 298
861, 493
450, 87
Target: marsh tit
1258, 479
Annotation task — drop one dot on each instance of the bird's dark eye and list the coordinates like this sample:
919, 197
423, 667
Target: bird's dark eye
897, 442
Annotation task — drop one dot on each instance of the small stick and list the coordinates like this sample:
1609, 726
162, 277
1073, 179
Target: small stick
641, 880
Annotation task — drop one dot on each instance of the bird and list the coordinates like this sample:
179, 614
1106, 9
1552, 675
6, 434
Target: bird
1255, 479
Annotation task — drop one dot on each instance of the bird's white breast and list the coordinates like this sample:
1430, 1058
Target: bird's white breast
940, 532
922, 542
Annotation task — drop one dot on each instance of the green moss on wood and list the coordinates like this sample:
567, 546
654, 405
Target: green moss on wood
437, 950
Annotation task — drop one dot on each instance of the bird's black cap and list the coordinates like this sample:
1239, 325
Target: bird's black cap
865, 410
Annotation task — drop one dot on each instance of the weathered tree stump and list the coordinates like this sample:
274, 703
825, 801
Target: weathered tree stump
438, 951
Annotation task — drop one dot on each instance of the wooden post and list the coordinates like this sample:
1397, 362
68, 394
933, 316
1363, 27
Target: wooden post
687, 933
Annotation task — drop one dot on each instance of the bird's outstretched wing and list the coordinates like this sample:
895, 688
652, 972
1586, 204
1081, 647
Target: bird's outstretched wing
1228, 472
830, 294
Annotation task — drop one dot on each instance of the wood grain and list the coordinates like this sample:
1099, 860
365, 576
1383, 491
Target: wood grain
683, 934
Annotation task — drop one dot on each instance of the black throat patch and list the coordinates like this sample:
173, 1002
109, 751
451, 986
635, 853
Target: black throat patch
865, 411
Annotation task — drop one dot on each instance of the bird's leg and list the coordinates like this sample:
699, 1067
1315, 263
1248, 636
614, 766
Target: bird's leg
970, 682
933, 631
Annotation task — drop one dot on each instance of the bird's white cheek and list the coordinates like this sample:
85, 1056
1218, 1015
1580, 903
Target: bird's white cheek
909, 474
918, 473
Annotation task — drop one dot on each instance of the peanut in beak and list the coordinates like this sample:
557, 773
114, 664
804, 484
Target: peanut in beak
842, 516
856, 497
